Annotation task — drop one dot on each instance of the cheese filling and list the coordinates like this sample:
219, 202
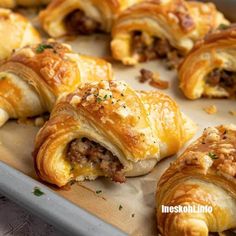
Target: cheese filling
149, 48
85, 152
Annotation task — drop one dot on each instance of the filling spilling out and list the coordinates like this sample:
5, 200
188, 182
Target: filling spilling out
223, 79
85, 152
78, 23
149, 48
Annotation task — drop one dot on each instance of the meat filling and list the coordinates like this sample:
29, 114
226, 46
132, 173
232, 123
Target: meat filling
78, 23
151, 48
223, 78
85, 152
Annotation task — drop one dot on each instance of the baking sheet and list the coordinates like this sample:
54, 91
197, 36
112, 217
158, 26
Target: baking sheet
129, 206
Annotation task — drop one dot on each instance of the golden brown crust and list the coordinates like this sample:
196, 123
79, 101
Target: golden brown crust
181, 23
119, 118
215, 51
17, 31
39, 73
204, 175
103, 12
50, 64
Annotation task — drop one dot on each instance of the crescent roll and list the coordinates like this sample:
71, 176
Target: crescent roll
161, 29
24, 3
63, 17
210, 68
203, 177
16, 31
108, 129
34, 76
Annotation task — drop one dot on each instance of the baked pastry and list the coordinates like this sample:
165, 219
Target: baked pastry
108, 129
16, 31
63, 17
34, 76
24, 3
210, 68
161, 29
203, 177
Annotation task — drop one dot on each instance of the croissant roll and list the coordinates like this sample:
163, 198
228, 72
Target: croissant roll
34, 76
161, 29
108, 129
63, 17
16, 31
203, 177
24, 3
209, 70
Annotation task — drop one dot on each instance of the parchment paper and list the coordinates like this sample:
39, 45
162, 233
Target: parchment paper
129, 206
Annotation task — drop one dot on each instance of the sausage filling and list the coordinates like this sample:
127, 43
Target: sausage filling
85, 152
149, 48
224, 79
78, 23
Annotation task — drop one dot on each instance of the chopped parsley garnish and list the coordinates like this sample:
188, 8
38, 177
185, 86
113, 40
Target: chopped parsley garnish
99, 99
120, 207
212, 155
223, 27
42, 47
98, 191
37, 192
105, 97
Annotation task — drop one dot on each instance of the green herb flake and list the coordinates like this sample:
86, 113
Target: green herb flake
37, 192
105, 97
98, 191
212, 155
120, 207
99, 99
223, 27
133, 215
42, 47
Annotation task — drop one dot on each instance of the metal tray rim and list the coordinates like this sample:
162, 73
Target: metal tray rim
67, 217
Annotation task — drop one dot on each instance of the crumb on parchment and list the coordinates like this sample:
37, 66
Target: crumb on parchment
233, 113
212, 109
38, 121
153, 79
